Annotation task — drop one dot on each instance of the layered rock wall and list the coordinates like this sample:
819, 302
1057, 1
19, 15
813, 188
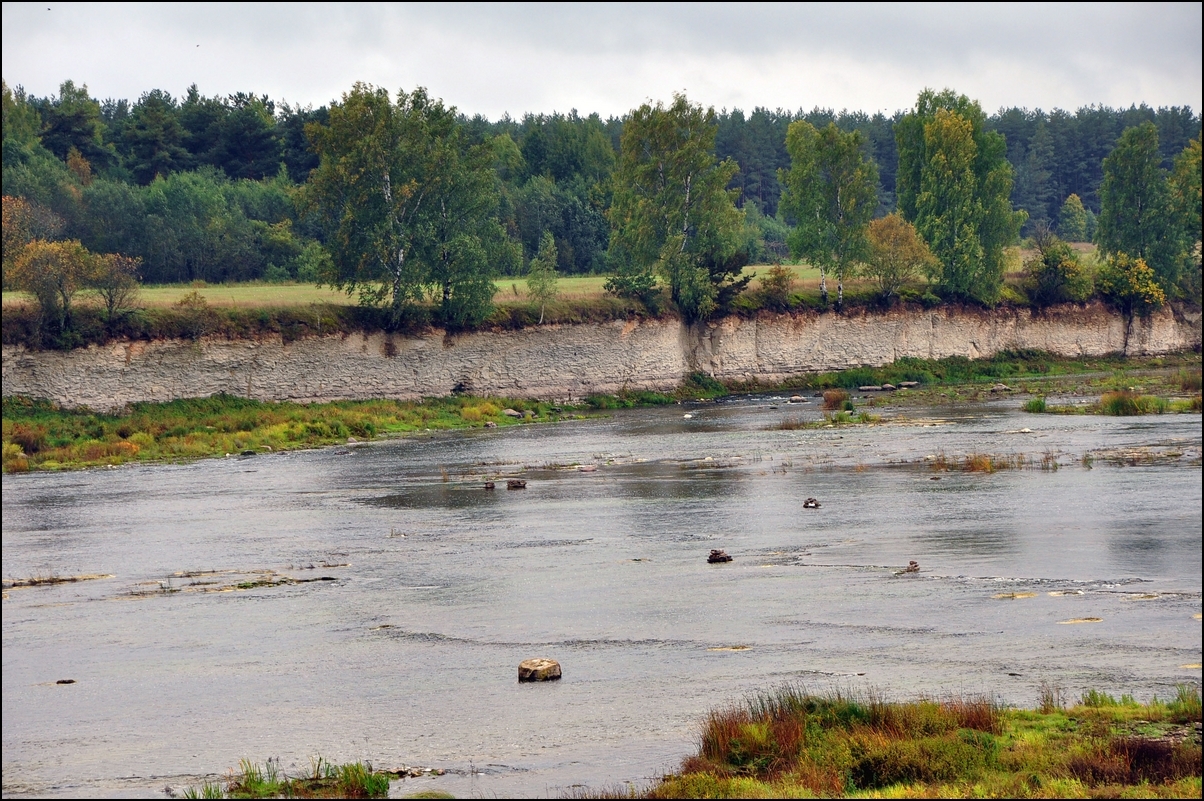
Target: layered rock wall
566, 362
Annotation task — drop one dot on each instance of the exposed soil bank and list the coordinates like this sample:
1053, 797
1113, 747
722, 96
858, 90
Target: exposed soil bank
572, 361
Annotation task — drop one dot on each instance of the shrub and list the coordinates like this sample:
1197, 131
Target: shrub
1035, 406
835, 399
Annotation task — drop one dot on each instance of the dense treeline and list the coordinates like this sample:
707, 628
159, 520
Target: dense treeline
206, 188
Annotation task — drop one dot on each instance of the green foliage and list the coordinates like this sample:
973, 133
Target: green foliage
1136, 217
49, 437
672, 216
1072, 220
831, 193
541, 274
896, 255
775, 288
789, 743
1185, 204
1130, 284
409, 203
954, 184
1035, 406
1055, 274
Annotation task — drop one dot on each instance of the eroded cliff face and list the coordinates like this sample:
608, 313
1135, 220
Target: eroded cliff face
565, 362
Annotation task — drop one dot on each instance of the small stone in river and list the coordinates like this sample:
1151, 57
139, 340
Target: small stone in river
718, 556
488, 485
810, 503
912, 567
909, 384
888, 387
870, 388
516, 483
797, 399
511, 413
65, 681
490, 424
539, 669
1001, 388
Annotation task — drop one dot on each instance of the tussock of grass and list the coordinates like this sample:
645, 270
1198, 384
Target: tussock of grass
326, 780
1120, 403
790, 744
40, 435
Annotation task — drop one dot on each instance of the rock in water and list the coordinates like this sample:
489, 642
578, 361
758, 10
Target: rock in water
810, 503
718, 556
516, 483
539, 669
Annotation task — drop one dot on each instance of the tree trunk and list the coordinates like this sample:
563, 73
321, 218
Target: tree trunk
823, 285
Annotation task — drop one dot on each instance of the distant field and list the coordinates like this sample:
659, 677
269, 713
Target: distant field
509, 290
259, 295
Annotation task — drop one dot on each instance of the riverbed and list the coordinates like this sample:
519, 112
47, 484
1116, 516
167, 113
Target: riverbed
373, 602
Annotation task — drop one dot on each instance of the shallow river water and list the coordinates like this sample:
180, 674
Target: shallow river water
409, 656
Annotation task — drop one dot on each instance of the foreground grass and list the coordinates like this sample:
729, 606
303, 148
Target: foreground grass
41, 436
791, 744
326, 780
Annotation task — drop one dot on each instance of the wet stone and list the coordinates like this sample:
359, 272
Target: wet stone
538, 669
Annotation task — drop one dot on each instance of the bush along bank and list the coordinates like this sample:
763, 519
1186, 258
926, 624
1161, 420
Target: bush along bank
789, 743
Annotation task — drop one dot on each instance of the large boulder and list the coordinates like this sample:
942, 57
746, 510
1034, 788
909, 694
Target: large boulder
539, 669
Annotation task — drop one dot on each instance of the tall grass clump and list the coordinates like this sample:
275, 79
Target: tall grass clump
1035, 405
837, 400
1125, 403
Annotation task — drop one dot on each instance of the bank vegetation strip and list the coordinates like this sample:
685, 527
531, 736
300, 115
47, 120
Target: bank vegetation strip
790, 743
39, 435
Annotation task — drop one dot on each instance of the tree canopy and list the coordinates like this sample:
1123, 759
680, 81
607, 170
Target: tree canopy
954, 184
672, 214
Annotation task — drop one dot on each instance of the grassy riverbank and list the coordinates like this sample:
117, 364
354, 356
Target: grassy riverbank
41, 436
38, 435
791, 744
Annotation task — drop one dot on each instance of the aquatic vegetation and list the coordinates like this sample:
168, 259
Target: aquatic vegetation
790, 743
326, 780
1120, 403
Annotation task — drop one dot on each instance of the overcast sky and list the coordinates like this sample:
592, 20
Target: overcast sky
492, 59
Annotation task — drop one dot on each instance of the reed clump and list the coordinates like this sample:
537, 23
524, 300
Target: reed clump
790, 743
326, 780
837, 400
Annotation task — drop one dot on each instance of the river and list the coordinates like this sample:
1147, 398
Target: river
440, 588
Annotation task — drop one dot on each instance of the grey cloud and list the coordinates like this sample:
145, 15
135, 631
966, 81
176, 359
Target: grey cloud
491, 58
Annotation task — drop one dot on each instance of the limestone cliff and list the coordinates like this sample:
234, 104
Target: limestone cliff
570, 361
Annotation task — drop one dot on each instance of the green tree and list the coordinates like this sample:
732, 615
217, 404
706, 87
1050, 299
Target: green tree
954, 184
1185, 201
896, 255
153, 138
541, 274
1135, 217
831, 192
671, 213
1054, 273
407, 204
1072, 220
1131, 284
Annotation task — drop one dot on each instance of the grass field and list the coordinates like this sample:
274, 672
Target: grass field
262, 295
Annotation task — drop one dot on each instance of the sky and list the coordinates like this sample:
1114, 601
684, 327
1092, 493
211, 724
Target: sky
495, 59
